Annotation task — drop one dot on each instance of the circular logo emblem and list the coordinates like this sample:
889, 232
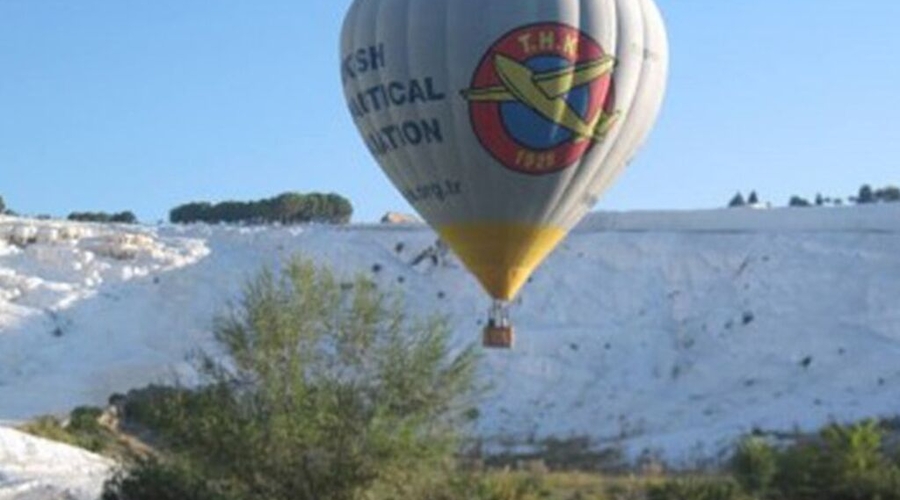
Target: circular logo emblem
542, 97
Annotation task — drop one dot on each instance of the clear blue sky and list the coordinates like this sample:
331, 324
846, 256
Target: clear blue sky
112, 105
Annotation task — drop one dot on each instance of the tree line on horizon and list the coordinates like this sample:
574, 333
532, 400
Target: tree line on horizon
286, 208
126, 217
865, 195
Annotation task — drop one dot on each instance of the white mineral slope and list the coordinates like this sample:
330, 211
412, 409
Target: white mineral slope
37, 469
672, 332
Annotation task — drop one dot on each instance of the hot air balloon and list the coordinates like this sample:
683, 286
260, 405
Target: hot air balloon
502, 122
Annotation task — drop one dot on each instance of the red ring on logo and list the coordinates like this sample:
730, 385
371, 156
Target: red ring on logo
522, 44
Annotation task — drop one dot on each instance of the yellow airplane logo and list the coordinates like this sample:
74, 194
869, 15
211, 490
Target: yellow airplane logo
546, 93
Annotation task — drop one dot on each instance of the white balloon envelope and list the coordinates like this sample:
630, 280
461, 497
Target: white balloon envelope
503, 121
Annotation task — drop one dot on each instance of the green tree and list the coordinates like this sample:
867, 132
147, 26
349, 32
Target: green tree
102, 217
865, 195
797, 201
324, 392
754, 465
2, 206
889, 194
286, 208
341, 209
126, 217
190, 212
737, 201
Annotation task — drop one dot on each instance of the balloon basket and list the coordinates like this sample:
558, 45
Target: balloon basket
498, 337
499, 333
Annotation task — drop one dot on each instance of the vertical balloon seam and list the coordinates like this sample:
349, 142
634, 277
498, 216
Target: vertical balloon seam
633, 119
570, 176
421, 163
618, 154
430, 168
609, 141
450, 45
396, 164
571, 212
572, 198
565, 176
649, 76
634, 140
451, 104
594, 185
559, 110
637, 33
360, 16
398, 160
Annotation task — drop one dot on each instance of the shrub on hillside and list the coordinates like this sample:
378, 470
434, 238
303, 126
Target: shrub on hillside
85, 419
754, 465
323, 393
162, 481
49, 427
81, 429
854, 465
841, 463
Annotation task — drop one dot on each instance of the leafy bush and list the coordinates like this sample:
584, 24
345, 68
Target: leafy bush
799, 473
161, 481
754, 465
85, 419
853, 464
323, 393
841, 463
49, 427
82, 429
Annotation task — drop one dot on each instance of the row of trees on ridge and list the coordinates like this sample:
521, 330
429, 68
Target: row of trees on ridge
126, 217
865, 195
286, 208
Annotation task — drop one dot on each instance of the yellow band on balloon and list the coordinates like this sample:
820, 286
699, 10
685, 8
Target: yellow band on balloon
501, 255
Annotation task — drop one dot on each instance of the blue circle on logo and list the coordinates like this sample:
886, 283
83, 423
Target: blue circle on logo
530, 128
